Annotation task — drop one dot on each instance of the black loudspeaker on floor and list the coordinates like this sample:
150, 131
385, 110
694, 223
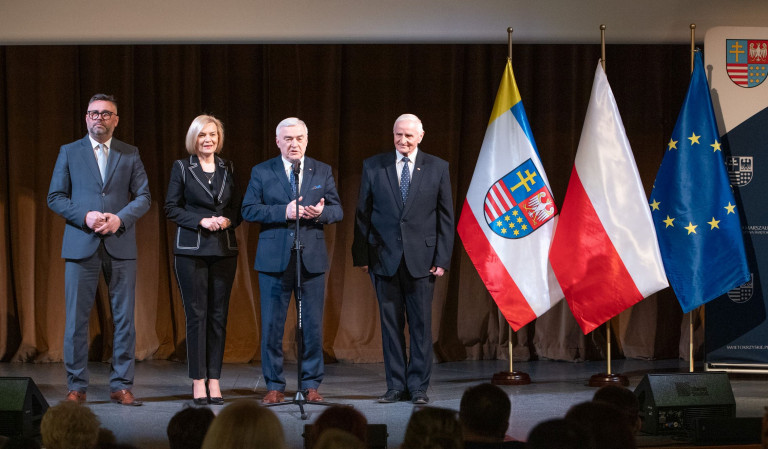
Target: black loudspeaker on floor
22, 407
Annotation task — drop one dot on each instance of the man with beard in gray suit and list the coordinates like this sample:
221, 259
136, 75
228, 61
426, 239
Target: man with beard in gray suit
100, 188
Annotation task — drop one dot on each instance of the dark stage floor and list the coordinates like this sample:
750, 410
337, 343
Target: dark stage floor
165, 389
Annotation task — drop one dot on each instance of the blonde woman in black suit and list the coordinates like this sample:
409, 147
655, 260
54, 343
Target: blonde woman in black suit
203, 201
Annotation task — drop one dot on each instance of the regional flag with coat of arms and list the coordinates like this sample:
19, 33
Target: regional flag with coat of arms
509, 215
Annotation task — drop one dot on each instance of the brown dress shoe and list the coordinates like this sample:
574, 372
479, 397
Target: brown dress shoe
124, 397
273, 397
76, 396
313, 395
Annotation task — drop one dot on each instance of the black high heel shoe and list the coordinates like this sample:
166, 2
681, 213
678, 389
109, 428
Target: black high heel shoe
213, 400
201, 400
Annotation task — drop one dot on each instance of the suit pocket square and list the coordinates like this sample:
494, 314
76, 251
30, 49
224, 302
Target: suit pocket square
316, 187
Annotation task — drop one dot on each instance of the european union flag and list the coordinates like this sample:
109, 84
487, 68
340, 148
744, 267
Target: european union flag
693, 208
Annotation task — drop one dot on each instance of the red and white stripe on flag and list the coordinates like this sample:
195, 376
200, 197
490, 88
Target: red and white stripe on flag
498, 201
604, 252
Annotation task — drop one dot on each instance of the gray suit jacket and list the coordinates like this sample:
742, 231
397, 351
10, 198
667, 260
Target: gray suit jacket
77, 188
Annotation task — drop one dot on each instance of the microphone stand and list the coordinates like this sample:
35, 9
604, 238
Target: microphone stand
297, 247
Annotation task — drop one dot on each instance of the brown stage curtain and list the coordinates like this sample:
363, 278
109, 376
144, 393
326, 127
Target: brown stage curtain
349, 95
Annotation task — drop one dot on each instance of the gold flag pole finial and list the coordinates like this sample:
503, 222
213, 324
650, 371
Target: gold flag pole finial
693, 43
602, 46
509, 44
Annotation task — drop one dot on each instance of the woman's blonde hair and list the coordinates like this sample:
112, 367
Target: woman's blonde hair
197, 125
245, 424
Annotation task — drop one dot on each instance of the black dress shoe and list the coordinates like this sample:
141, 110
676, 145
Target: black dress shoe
216, 400
392, 396
200, 401
419, 397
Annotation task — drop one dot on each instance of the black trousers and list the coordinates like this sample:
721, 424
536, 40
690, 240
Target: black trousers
403, 297
205, 283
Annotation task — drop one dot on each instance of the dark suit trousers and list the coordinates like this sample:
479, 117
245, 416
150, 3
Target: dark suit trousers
81, 279
205, 283
404, 297
276, 290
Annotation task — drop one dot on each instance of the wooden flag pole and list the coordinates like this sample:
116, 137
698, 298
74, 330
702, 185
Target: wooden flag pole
690, 314
607, 378
510, 377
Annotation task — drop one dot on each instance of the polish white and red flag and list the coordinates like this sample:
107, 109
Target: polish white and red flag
605, 253
508, 218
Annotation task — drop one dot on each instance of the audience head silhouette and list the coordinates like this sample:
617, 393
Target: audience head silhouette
187, 428
433, 428
340, 417
484, 413
623, 399
245, 424
598, 421
557, 434
69, 425
334, 438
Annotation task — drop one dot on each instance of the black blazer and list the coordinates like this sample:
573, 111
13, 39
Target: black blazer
421, 231
189, 200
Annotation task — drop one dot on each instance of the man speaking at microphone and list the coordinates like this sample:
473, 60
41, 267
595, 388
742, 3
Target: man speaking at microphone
271, 200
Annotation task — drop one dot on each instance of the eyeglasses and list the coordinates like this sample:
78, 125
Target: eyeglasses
94, 115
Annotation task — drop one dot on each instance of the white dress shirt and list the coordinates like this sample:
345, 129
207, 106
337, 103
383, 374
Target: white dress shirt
95, 146
399, 163
288, 166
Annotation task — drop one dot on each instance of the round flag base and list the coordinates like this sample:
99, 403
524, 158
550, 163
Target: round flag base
511, 378
603, 379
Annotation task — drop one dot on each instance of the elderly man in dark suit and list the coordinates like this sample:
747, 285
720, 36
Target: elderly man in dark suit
403, 239
270, 200
100, 187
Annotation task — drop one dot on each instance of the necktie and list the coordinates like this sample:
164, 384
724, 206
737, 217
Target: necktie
101, 159
292, 179
405, 179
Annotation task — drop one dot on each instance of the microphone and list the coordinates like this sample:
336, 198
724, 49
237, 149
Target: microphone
297, 168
